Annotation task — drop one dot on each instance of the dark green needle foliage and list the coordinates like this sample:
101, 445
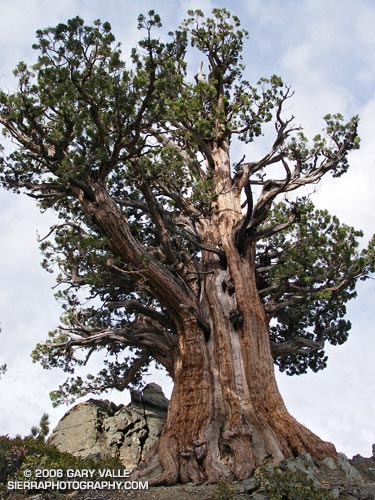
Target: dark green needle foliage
89, 120
306, 276
41, 431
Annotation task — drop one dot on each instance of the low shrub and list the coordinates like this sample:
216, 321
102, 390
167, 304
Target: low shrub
223, 491
20, 454
289, 485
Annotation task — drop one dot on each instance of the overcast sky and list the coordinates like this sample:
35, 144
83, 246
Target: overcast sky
325, 49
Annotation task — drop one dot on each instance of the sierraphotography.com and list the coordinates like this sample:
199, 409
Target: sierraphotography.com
77, 485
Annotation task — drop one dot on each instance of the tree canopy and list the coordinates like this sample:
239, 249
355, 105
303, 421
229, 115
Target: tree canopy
141, 135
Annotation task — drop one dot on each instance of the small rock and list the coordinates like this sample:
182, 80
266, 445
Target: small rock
351, 473
260, 496
250, 485
308, 461
335, 492
330, 463
303, 464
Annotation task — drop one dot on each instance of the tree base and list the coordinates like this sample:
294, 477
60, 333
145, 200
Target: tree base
238, 457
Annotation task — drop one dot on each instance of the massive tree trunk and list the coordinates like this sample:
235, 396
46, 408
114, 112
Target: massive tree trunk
226, 415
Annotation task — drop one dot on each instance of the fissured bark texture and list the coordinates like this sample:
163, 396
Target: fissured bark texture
226, 415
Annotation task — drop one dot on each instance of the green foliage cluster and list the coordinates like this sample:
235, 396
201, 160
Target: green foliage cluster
41, 431
311, 269
291, 486
12, 453
18, 454
140, 129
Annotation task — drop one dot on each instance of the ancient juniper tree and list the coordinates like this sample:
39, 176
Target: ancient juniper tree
169, 250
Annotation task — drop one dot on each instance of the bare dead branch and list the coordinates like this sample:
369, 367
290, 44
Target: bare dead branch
56, 227
299, 345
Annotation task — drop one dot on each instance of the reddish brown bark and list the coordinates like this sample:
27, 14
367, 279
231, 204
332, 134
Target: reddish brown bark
226, 415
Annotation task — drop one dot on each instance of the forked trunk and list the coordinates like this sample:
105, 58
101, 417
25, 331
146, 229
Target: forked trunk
226, 415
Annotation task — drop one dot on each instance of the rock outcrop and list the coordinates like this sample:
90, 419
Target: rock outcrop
340, 477
100, 429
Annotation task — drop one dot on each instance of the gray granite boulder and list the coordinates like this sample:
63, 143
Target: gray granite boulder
100, 429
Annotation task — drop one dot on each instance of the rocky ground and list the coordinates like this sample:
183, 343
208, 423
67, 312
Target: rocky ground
100, 429
341, 478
